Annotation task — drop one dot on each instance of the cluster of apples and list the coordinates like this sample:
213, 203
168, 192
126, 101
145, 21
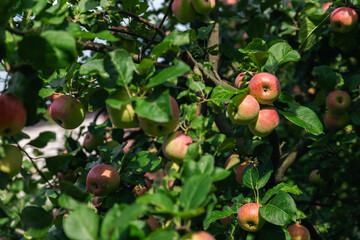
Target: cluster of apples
343, 19
264, 88
186, 10
337, 103
12, 121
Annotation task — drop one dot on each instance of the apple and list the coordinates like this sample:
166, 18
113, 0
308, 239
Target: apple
249, 217
325, 6
161, 129
229, 2
102, 180
243, 110
265, 87
124, 116
336, 121
91, 141
201, 235
97, 201
152, 222
265, 123
239, 77
183, 10
12, 161
298, 232
67, 111
203, 6
175, 146
338, 101
239, 167
12, 115
316, 179
343, 19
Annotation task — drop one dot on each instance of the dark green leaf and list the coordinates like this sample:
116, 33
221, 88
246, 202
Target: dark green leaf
145, 161
280, 53
195, 191
36, 221
43, 139
120, 67
169, 73
310, 30
250, 177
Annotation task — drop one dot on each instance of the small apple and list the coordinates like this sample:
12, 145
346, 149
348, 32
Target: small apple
240, 167
298, 232
338, 101
325, 6
343, 19
229, 2
183, 10
123, 116
67, 111
316, 179
266, 122
12, 115
265, 87
175, 146
12, 161
249, 217
102, 180
335, 121
201, 235
152, 222
238, 83
203, 6
161, 129
97, 201
243, 110
91, 141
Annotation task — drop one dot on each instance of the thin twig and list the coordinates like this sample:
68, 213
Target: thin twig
15, 31
132, 34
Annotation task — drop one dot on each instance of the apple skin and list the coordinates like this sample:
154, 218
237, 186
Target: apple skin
229, 2
67, 111
125, 116
175, 146
183, 10
325, 6
238, 83
316, 179
265, 87
203, 6
338, 101
161, 129
243, 110
12, 161
201, 235
334, 121
12, 115
267, 120
102, 180
249, 217
91, 141
343, 19
298, 232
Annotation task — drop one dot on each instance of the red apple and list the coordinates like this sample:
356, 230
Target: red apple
343, 19
12, 161
298, 232
325, 6
12, 115
336, 121
201, 235
102, 180
175, 146
203, 6
229, 2
243, 110
249, 217
183, 10
67, 111
238, 80
91, 141
265, 87
161, 128
338, 101
239, 167
266, 122
227, 220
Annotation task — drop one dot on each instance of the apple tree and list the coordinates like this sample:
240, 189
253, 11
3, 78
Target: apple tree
227, 119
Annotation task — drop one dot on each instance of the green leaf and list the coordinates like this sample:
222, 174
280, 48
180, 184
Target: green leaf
120, 67
203, 32
227, 145
219, 174
250, 177
281, 210
310, 30
43, 139
206, 164
223, 94
82, 224
54, 164
36, 221
256, 27
67, 202
280, 187
70, 189
280, 53
169, 73
95, 66
173, 41
145, 161
162, 202
216, 215
271, 232
195, 191
162, 234
264, 179
326, 77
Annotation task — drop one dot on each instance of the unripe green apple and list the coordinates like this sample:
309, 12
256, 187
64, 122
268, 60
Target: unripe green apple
243, 110
123, 116
249, 217
12, 161
183, 10
161, 129
175, 146
266, 122
343, 19
12, 115
67, 111
316, 179
298, 232
203, 6
91, 141
265, 87
338, 101
336, 121
102, 180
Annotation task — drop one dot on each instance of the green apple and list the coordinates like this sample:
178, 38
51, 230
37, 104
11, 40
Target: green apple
243, 110
298, 232
161, 129
175, 146
122, 116
12, 115
12, 161
102, 180
67, 111
316, 179
249, 217
203, 6
183, 10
